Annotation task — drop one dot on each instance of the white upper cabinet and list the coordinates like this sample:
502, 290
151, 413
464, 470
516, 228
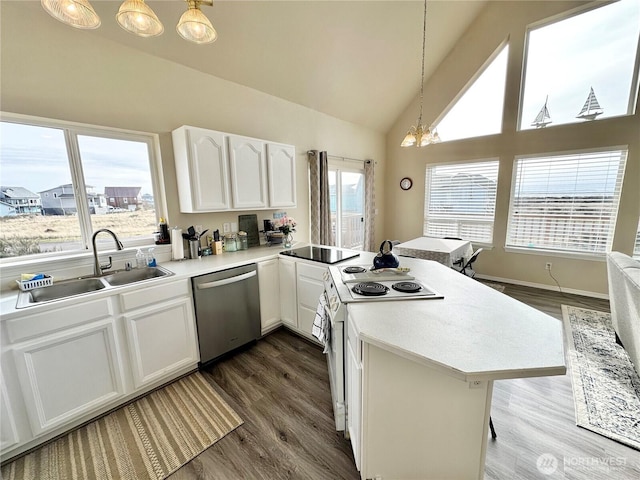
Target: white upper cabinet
217, 171
248, 168
281, 166
201, 169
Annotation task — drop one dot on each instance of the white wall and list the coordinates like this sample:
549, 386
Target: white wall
52, 70
404, 210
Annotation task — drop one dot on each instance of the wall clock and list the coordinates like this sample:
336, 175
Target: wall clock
406, 183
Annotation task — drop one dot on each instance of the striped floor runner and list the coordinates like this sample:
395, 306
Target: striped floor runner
147, 439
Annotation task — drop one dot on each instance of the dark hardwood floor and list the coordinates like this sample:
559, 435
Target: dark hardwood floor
280, 387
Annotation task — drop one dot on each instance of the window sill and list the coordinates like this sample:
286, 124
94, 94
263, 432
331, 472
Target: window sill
593, 257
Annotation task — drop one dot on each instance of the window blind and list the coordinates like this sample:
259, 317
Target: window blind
460, 200
567, 203
636, 246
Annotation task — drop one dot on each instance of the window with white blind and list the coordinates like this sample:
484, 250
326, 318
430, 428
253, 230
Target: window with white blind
566, 202
460, 200
636, 246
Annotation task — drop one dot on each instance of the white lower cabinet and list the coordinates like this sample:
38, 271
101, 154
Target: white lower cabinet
269, 281
353, 380
8, 431
288, 297
160, 340
309, 289
63, 366
69, 373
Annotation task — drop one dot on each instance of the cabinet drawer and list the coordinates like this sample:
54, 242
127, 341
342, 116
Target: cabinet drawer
311, 271
153, 295
53, 320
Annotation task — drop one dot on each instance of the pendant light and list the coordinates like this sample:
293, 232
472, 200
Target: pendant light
419, 135
136, 17
194, 25
77, 13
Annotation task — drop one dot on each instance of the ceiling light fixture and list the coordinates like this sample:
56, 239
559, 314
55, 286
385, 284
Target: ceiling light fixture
419, 135
194, 25
137, 17
77, 13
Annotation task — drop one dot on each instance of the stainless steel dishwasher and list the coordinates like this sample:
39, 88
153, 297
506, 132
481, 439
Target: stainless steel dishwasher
227, 305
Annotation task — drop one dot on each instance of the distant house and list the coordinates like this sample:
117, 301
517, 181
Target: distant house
22, 200
61, 200
7, 210
128, 198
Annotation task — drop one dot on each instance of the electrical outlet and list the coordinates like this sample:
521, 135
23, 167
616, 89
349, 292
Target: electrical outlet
547, 266
226, 227
475, 384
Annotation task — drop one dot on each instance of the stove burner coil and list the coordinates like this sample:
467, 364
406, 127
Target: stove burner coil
407, 287
370, 289
354, 270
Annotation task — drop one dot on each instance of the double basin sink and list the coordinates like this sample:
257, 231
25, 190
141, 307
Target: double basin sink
80, 286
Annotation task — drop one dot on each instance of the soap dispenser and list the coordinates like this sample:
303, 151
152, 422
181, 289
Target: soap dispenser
151, 260
141, 260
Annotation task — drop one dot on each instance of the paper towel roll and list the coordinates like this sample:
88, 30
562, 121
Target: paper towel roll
177, 245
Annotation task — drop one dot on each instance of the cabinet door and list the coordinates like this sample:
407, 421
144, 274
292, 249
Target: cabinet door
281, 166
268, 276
8, 431
354, 399
248, 173
309, 287
288, 297
201, 169
65, 375
161, 340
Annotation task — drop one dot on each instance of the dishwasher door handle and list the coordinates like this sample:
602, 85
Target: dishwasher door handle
225, 281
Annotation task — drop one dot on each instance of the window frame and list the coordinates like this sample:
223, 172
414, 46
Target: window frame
556, 252
340, 165
495, 160
71, 132
634, 92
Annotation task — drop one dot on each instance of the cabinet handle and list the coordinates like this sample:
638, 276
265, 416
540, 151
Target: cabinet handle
225, 281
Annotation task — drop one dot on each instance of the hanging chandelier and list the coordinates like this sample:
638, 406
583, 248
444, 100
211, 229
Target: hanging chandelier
419, 135
136, 17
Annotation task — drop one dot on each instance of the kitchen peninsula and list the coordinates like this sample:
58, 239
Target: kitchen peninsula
419, 373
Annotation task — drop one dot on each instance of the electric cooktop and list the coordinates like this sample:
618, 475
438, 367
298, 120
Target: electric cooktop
320, 254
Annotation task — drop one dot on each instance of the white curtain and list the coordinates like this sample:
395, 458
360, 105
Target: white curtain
369, 206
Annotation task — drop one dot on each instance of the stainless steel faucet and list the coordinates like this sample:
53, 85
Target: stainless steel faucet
97, 268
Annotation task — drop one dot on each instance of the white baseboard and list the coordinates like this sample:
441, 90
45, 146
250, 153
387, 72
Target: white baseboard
543, 286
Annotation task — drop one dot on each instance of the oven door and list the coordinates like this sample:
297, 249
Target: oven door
335, 363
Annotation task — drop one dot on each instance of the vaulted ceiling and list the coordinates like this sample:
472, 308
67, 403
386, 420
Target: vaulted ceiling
355, 60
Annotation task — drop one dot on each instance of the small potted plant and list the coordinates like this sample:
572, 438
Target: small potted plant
287, 225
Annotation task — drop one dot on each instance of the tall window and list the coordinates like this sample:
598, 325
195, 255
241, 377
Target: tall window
460, 200
346, 190
636, 246
588, 60
566, 203
61, 182
478, 112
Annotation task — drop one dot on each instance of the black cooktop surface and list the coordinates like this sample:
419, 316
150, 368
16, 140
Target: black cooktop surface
319, 254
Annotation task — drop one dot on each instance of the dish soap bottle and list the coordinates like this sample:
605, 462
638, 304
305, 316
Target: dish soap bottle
141, 260
151, 260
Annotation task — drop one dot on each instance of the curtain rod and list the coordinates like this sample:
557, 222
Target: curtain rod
346, 159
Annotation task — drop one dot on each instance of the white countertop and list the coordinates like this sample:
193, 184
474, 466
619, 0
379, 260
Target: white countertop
474, 333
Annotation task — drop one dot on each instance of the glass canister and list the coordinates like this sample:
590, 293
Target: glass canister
230, 244
242, 241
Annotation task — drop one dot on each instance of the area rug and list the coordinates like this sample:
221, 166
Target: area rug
606, 388
147, 439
